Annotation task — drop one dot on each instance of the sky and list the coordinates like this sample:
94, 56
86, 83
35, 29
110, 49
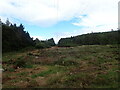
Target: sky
45, 19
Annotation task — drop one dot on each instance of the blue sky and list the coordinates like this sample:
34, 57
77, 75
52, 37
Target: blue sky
57, 19
62, 28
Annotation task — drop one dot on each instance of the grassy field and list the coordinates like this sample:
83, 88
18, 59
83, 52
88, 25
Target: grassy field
94, 66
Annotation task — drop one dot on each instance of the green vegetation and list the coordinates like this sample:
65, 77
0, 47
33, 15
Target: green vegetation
101, 38
86, 66
44, 44
14, 38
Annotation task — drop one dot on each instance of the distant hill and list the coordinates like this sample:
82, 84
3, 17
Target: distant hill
100, 38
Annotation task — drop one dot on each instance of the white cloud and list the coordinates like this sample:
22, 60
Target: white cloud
49, 12
99, 18
33, 11
100, 21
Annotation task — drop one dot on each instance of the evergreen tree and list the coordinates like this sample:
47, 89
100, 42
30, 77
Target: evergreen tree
15, 38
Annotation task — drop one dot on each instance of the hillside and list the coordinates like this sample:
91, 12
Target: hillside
86, 66
101, 38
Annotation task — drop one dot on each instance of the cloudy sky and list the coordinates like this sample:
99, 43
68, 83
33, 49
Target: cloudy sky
45, 19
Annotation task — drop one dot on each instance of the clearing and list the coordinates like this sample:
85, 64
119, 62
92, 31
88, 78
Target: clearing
86, 66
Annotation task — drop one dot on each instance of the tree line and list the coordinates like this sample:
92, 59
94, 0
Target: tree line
41, 44
15, 38
100, 38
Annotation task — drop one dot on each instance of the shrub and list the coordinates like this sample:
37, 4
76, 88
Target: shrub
24, 61
11, 69
20, 62
41, 45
